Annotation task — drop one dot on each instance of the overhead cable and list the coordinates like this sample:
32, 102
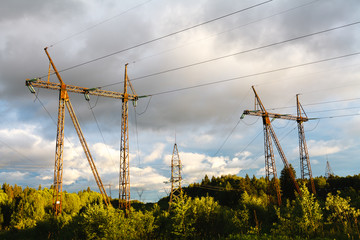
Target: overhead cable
238, 53
97, 24
229, 30
101, 133
255, 74
162, 37
321, 103
227, 138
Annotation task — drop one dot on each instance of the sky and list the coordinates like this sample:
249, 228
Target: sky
196, 62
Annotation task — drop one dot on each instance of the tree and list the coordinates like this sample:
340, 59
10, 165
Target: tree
341, 217
303, 217
287, 184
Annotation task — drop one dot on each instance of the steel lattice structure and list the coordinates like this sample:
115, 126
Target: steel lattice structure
175, 176
64, 101
269, 134
124, 179
303, 150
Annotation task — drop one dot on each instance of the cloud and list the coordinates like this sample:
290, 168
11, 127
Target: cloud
202, 116
147, 178
70, 176
195, 166
156, 154
204, 139
321, 148
261, 172
12, 176
314, 162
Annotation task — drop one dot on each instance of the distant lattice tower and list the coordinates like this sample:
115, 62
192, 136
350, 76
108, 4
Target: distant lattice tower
328, 170
175, 175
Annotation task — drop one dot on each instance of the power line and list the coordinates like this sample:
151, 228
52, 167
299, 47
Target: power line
147, 105
320, 103
137, 134
254, 74
231, 132
339, 116
102, 135
243, 150
229, 30
19, 153
238, 53
37, 98
215, 188
336, 109
162, 37
99, 23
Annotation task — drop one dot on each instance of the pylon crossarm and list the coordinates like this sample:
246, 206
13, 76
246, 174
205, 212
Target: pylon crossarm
36, 82
260, 113
87, 152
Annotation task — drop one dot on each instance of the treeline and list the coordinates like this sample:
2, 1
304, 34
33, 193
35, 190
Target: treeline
226, 207
228, 189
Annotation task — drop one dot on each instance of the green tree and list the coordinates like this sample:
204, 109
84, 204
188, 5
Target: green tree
71, 203
303, 217
287, 184
182, 224
30, 209
341, 217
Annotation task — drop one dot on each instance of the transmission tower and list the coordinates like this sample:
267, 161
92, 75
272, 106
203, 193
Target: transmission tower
328, 171
64, 101
269, 134
304, 154
175, 176
124, 179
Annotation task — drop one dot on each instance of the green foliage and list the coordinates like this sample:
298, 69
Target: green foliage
98, 222
201, 218
225, 207
181, 218
341, 217
287, 184
71, 203
302, 217
30, 209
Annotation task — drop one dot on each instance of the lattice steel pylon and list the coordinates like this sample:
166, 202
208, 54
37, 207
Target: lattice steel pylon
64, 101
269, 134
175, 176
328, 171
124, 179
303, 150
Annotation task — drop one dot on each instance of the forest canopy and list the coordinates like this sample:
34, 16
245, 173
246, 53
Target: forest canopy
225, 207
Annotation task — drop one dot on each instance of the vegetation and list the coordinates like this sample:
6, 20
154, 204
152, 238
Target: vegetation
226, 207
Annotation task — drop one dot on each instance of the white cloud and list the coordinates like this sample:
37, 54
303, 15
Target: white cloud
314, 161
204, 139
12, 176
156, 154
70, 175
196, 165
261, 172
146, 178
46, 177
322, 147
